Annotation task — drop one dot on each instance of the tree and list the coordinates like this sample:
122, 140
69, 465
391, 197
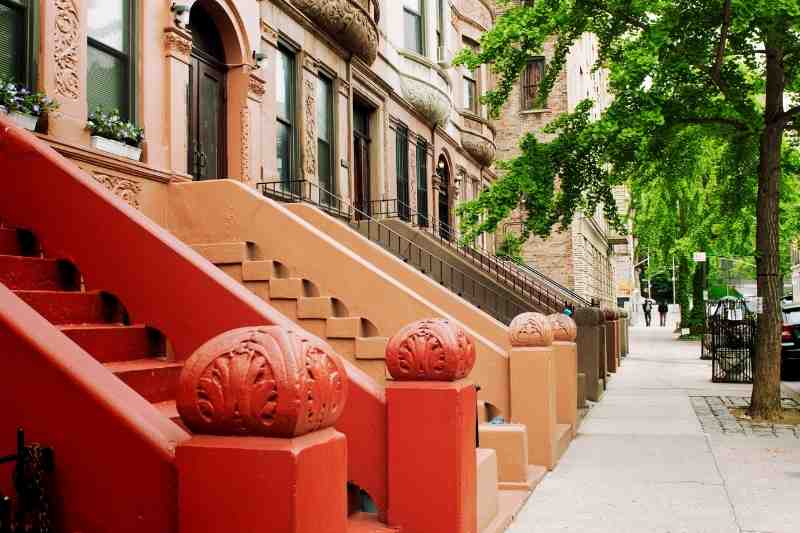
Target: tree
725, 66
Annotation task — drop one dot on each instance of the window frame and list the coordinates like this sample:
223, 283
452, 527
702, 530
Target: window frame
421, 41
423, 215
402, 161
292, 120
130, 113
529, 103
330, 81
30, 45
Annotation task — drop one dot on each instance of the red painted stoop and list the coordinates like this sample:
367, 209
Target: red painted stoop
87, 286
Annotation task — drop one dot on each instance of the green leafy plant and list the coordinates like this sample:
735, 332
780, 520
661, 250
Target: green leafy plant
17, 98
109, 124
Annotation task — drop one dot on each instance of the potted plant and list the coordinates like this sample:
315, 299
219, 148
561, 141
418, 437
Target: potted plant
112, 134
23, 106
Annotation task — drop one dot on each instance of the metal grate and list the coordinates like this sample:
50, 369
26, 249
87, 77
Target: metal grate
730, 343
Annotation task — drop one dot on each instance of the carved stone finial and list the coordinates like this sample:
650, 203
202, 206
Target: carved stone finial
430, 350
530, 330
564, 328
262, 381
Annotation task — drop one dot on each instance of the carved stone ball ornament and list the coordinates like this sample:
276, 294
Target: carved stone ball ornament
530, 330
262, 381
430, 350
564, 328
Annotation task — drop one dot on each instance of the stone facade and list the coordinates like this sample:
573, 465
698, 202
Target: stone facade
577, 257
359, 45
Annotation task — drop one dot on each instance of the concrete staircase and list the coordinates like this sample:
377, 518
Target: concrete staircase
94, 320
301, 300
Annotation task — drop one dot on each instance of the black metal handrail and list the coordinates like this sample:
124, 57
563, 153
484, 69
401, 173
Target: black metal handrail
460, 283
512, 274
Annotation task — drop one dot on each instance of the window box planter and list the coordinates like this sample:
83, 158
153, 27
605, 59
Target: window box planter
24, 120
116, 148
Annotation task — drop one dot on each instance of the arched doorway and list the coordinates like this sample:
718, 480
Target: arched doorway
443, 172
207, 83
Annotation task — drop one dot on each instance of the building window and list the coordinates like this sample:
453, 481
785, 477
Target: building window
472, 82
325, 165
403, 209
414, 26
531, 82
422, 182
440, 34
17, 51
285, 102
110, 79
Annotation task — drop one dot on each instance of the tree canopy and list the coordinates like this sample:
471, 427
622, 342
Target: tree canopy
703, 93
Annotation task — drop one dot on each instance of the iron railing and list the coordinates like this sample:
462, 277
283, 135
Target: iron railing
524, 280
480, 295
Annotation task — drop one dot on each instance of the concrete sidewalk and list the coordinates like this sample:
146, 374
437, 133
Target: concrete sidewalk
643, 462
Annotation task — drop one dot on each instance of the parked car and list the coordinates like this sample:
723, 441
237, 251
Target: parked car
790, 340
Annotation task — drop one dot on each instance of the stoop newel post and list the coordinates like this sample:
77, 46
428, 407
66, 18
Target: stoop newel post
565, 353
261, 403
610, 327
533, 385
431, 424
591, 350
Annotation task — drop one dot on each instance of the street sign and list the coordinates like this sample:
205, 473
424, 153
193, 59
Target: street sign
699, 257
705, 295
685, 331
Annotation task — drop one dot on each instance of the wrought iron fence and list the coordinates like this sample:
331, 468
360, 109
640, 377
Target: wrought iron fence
730, 343
479, 294
30, 511
516, 276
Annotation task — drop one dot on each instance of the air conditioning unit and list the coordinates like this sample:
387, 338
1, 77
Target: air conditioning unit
442, 56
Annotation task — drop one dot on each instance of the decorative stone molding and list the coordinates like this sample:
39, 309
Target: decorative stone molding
479, 147
310, 125
432, 103
262, 381
123, 188
256, 87
530, 330
268, 33
346, 21
65, 36
177, 44
430, 350
564, 328
245, 149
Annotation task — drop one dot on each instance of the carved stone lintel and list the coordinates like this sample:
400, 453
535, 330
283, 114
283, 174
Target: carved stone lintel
262, 381
256, 87
177, 44
430, 350
123, 188
530, 330
66, 38
310, 64
564, 328
268, 33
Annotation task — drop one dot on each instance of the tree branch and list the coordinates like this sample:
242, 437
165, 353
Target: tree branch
723, 39
787, 115
713, 120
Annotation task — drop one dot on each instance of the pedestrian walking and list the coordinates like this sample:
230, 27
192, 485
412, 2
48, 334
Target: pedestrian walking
663, 308
648, 311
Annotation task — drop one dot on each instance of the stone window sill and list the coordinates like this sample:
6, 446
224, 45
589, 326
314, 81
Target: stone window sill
534, 111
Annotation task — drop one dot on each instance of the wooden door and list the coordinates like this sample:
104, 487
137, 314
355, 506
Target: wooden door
207, 119
361, 175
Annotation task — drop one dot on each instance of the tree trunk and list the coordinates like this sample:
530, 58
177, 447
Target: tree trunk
683, 289
766, 399
697, 317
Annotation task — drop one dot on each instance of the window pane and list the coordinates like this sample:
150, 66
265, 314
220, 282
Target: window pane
107, 81
285, 85
108, 22
12, 42
415, 5
413, 31
470, 94
284, 152
324, 166
324, 108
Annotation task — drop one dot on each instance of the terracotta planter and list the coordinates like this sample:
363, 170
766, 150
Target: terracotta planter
115, 147
23, 120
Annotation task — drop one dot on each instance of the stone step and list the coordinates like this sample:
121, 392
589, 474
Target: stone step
62, 307
223, 253
35, 273
286, 289
114, 343
371, 348
154, 379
